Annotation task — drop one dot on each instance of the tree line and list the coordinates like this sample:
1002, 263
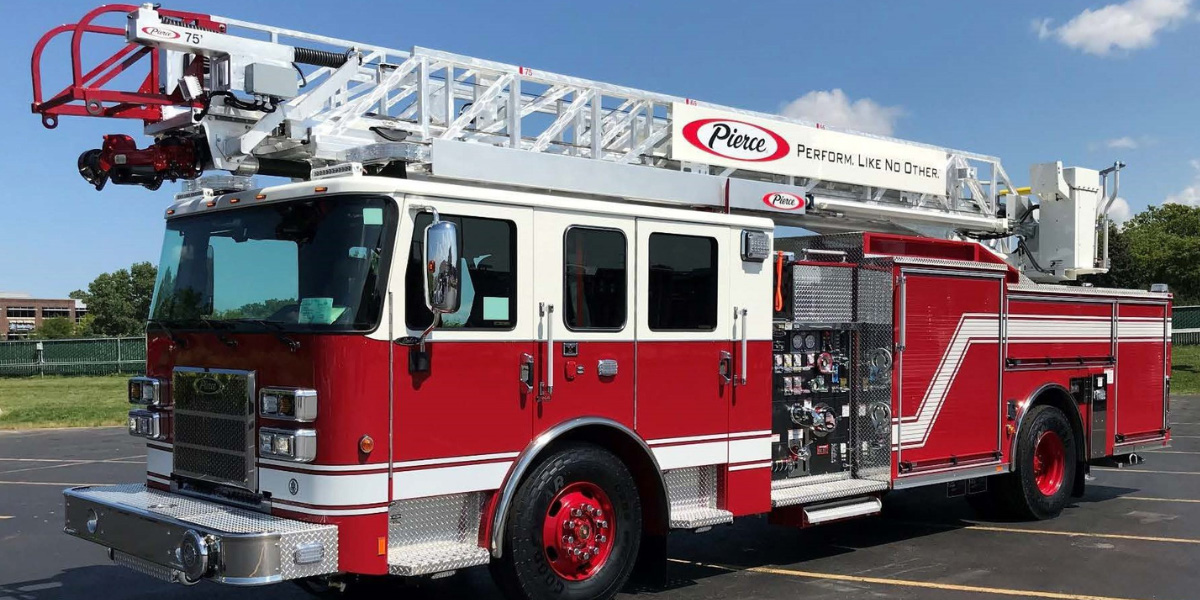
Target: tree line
1158, 245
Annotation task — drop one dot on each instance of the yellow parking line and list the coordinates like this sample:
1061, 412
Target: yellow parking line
76, 463
902, 582
50, 460
1171, 452
1190, 437
1147, 499
3, 517
1133, 470
54, 483
1110, 536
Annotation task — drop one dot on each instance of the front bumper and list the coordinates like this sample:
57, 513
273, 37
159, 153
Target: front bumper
183, 539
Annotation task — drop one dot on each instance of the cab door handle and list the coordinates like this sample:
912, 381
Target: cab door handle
725, 367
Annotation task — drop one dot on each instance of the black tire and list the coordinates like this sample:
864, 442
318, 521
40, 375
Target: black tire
1018, 493
524, 571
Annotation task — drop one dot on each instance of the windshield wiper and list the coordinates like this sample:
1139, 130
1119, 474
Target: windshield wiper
213, 325
277, 329
175, 338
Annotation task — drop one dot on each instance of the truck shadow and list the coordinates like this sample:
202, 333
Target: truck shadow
749, 543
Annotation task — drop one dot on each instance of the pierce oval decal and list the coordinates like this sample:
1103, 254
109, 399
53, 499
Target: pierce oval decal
783, 201
163, 34
208, 385
736, 140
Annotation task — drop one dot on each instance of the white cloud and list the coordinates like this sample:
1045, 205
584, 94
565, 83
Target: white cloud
1189, 195
1122, 142
834, 108
1127, 26
1119, 212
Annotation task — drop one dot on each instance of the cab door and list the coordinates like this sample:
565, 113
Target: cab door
468, 412
584, 314
685, 351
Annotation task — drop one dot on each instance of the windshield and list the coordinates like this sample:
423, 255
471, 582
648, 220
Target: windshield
315, 265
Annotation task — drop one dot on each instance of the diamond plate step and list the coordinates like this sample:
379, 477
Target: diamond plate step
819, 492
435, 557
695, 518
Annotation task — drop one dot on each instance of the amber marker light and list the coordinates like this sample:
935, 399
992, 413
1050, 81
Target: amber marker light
366, 444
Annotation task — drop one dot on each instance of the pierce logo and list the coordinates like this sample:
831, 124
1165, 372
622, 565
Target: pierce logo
164, 34
736, 140
208, 385
782, 201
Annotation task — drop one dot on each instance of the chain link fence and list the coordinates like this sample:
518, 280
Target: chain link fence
91, 356
1185, 325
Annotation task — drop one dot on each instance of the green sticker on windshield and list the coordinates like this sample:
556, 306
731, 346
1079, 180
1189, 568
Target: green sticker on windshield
372, 216
317, 311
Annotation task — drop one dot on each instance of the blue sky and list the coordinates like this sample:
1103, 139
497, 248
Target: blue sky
1029, 81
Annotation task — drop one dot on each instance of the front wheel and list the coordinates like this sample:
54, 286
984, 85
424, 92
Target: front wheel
573, 530
1045, 464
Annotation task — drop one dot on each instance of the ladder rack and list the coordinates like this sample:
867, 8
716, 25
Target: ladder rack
462, 118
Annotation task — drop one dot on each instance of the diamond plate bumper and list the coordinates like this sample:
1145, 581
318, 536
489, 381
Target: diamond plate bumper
239, 547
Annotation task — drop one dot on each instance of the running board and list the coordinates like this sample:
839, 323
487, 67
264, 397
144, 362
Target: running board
435, 557
836, 511
692, 493
433, 535
821, 492
699, 518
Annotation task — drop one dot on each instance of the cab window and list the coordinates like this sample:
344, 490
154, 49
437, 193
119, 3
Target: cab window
488, 251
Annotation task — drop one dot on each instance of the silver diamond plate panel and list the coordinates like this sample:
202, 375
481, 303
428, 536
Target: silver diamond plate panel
943, 262
851, 244
821, 492
691, 488
822, 294
695, 518
441, 533
435, 557
146, 567
1041, 288
791, 482
220, 520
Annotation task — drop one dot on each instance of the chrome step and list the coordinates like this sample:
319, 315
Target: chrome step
692, 493
698, 518
435, 557
820, 492
432, 535
846, 509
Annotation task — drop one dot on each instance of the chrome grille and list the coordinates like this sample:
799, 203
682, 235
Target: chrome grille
214, 425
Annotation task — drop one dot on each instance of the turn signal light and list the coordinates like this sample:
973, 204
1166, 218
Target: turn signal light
149, 424
149, 391
296, 445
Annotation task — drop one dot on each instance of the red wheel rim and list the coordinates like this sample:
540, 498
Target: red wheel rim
1049, 463
579, 530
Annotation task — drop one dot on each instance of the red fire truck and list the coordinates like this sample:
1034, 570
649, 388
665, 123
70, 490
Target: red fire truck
494, 315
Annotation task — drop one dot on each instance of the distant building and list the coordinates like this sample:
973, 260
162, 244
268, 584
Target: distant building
21, 313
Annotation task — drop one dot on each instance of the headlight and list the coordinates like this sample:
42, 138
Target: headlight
149, 391
288, 404
297, 445
149, 424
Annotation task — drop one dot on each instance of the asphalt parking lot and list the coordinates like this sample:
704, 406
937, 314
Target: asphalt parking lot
1134, 536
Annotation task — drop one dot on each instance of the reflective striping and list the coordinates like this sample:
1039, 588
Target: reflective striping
325, 490
447, 480
900, 582
692, 455
763, 465
453, 459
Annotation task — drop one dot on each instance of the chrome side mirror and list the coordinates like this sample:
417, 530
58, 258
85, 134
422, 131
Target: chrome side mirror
442, 278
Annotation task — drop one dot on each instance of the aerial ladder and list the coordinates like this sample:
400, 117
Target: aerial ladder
219, 94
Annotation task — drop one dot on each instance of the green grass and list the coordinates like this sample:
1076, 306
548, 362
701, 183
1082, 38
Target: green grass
30, 402
1185, 370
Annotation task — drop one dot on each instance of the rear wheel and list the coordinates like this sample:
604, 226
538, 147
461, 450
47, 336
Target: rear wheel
573, 530
1045, 464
